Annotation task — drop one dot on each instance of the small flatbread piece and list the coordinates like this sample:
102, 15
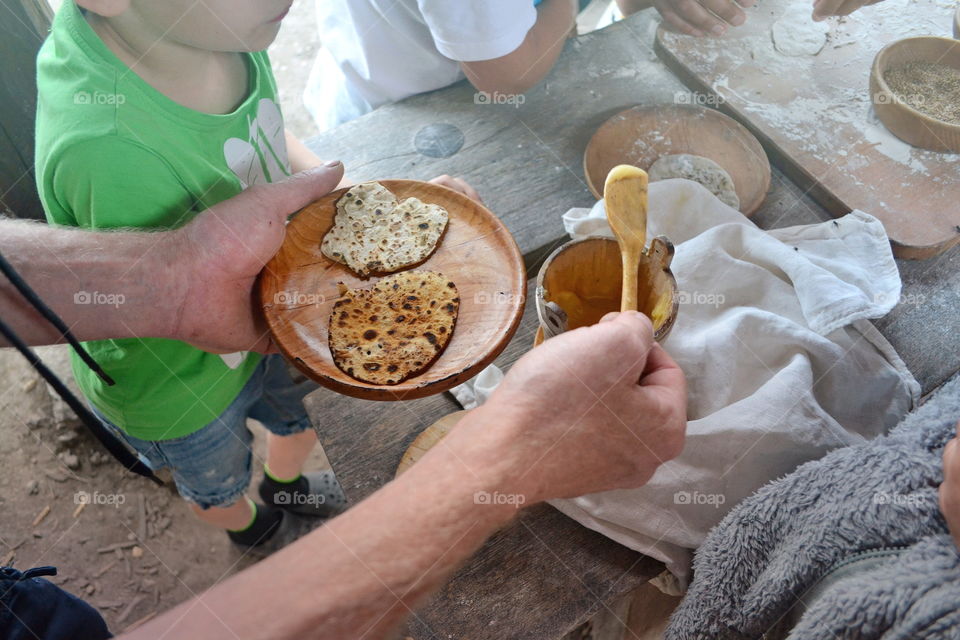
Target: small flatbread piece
796, 34
396, 329
374, 234
699, 169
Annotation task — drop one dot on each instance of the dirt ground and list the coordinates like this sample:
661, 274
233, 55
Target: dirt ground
134, 549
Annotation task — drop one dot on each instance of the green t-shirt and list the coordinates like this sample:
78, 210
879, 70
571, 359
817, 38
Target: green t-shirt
112, 151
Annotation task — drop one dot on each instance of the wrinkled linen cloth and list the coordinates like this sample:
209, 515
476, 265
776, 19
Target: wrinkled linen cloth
781, 363
855, 541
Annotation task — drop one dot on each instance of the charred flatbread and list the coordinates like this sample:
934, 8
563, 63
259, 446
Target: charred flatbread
396, 329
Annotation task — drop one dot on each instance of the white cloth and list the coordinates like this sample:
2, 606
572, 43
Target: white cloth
781, 364
380, 51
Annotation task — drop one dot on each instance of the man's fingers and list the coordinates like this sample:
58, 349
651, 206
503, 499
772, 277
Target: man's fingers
662, 371
627, 338
289, 196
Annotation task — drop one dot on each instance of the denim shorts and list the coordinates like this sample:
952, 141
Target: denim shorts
212, 466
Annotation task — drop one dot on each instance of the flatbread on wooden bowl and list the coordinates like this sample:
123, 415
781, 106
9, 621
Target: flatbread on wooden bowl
299, 287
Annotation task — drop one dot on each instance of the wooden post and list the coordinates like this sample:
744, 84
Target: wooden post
23, 26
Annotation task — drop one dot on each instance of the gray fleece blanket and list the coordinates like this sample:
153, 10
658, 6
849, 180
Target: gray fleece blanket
777, 545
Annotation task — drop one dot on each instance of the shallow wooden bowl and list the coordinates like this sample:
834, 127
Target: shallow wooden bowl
591, 270
903, 121
298, 289
640, 135
428, 439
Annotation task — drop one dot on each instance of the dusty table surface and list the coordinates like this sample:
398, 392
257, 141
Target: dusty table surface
545, 574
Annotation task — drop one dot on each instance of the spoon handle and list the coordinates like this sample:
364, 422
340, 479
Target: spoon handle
628, 296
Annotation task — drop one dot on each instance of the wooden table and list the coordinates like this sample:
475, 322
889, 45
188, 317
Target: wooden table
545, 574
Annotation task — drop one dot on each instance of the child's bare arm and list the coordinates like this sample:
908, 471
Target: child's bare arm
527, 65
299, 155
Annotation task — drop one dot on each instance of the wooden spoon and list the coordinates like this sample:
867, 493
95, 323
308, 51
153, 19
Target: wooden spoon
625, 200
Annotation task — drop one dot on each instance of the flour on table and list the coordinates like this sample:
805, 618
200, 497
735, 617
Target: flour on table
796, 34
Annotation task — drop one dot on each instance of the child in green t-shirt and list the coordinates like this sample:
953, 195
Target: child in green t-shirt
148, 113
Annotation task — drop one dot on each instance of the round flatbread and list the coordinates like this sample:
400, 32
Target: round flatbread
796, 34
699, 169
396, 329
374, 234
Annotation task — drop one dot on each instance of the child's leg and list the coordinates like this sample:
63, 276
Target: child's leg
291, 439
237, 516
286, 454
212, 468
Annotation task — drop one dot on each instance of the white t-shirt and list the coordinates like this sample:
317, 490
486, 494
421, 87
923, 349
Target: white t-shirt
380, 51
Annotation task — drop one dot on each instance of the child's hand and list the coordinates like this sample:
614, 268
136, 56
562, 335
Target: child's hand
457, 184
823, 9
950, 487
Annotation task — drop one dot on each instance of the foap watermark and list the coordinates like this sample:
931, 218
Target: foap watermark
107, 499
906, 299
483, 97
98, 98
485, 497
701, 298
697, 498
497, 297
299, 498
698, 98
909, 99
298, 299
913, 500
99, 298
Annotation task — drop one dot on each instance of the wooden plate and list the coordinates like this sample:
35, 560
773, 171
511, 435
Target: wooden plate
640, 135
428, 439
298, 289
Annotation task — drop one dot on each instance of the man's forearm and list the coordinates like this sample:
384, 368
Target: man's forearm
103, 284
362, 573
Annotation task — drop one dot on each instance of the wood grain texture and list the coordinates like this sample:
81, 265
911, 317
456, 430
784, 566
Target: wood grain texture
640, 135
813, 116
527, 164
299, 287
901, 119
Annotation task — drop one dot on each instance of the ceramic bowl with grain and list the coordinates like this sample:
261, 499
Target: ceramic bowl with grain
910, 125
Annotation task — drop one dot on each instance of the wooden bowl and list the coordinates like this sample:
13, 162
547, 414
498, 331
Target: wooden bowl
298, 289
584, 278
640, 135
903, 121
